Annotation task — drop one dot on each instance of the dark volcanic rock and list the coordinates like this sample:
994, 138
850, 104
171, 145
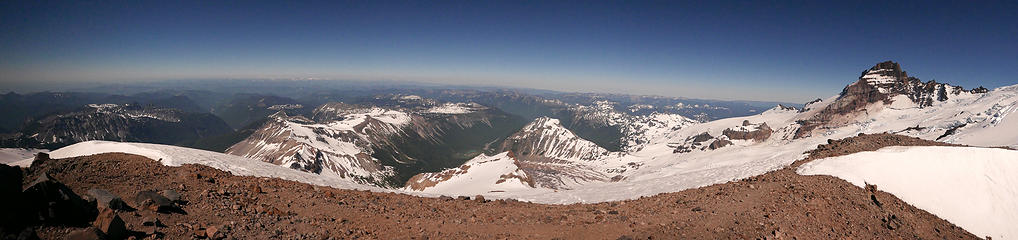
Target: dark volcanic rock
40, 158
171, 195
701, 137
105, 199
109, 223
720, 143
90, 233
154, 202
53, 203
760, 133
10, 186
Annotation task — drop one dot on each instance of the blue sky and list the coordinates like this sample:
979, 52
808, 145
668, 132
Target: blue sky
763, 50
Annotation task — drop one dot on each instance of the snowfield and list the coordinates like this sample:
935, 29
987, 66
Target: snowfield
975, 188
480, 175
177, 156
13, 156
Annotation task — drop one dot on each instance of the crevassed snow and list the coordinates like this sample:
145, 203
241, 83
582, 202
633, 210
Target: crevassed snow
975, 188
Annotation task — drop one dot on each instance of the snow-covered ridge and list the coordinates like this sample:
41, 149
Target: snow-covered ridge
547, 137
481, 175
339, 143
177, 156
975, 188
456, 108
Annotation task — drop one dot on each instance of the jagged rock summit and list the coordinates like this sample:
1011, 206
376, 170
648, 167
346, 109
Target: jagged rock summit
881, 84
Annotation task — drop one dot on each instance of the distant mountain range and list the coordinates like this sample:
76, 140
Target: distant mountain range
425, 139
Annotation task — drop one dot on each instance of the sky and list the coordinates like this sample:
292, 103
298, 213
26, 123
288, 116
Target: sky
791, 51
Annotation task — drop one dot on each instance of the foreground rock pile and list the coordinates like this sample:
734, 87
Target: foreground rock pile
128, 196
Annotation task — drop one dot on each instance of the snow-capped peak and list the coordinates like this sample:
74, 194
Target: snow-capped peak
548, 138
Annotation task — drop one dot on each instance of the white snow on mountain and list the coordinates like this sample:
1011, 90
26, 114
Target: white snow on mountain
455, 108
975, 188
11, 156
877, 77
481, 175
340, 146
662, 170
177, 156
554, 141
655, 167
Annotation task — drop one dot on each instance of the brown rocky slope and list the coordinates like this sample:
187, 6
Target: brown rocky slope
776, 205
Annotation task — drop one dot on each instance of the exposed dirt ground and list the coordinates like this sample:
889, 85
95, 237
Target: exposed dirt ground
776, 205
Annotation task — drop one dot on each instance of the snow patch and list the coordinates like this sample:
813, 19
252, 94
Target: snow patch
455, 108
975, 188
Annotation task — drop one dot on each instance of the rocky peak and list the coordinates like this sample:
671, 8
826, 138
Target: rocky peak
547, 137
880, 84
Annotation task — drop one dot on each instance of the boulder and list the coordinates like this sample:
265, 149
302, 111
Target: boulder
90, 233
173, 196
110, 223
105, 199
10, 189
10, 181
53, 203
720, 143
155, 202
40, 158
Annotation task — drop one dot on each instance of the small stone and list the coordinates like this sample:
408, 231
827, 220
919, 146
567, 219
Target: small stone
214, 232
479, 199
200, 232
153, 232
152, 221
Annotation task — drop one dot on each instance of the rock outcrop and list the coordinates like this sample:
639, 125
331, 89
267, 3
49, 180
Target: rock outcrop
52, 203
748, 131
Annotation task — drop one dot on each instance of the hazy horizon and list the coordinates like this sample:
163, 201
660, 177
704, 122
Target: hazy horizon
781, 52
